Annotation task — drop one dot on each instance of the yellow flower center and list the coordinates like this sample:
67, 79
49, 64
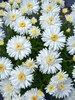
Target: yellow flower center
24, 10
2, 67
54, 37
68, 18
29, 5
2, 5
51, 20
74, 44
33, 20
13, 17
34, 31
51, 88
1, 42
1, 12
34, 98
61, 86
49, 60
50, 8
60, 76
19, 46
8, 88
30, 64
22, 24
21, 76
40, 93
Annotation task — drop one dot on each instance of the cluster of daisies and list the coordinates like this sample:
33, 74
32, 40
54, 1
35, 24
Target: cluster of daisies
29, 19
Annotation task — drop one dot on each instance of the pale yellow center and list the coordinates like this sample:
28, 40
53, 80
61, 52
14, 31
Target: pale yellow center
51, 88
29, 5
74, 44
33, 20
50, 8
54, 37
8, 88
51, 20
2, 67
49, 60
24, 10
68, 18
61, 86
18, 46
22, 24
2, 5
34, 98
21, 76
34, 31
59, 1
13, 17
1, 12
30, 64
40, 93
60, 76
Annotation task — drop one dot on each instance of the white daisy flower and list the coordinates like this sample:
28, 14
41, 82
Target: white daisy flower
23, 9
1, 22
2, 4
71, 96
11, 16
18, 97
61, 3
2, 35
50, 20
32, 5
2, 13
63, 88
73, 73
7, 89
59, 89
34, 32
54, 38
73, 7
33, 20
31, 64
49, 61
71, 45
51, 88
5, 67
22, 25
21, 77
50, 7
18, 47
34, 94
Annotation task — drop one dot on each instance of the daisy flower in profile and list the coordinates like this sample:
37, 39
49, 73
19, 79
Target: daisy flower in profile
49, 61
1, 22
22, 25
50, 20
32, 5
2, 35
11, 16
34, 94
59, 89
18, 47
31, 64
54, 38
71, 45
34, 32
21, 77
50, 7
5, 67
18, 97
61, 3
73, 73
7, 89
71, 96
